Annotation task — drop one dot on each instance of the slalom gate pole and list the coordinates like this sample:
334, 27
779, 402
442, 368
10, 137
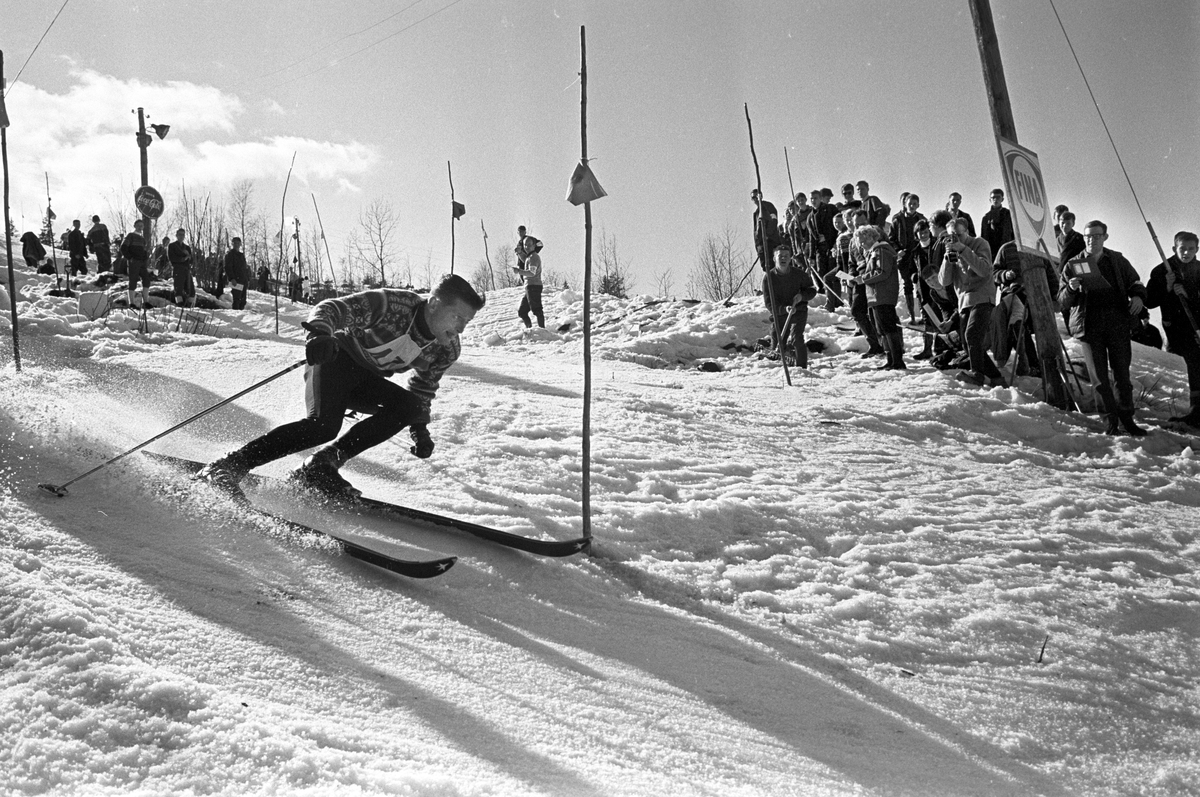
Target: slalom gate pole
61, 489
762, 233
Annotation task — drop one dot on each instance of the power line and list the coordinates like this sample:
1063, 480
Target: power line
337, 61
36, 46
320, 50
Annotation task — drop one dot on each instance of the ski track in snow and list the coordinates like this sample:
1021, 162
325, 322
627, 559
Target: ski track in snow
841, 587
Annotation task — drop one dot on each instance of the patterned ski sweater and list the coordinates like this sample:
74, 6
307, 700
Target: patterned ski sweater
369, 325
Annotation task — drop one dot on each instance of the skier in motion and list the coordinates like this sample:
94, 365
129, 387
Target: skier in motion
354, 344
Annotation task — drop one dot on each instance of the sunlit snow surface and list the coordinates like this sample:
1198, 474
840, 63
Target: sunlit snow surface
839, 587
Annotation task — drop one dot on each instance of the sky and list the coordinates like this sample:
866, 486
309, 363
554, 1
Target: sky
375, 103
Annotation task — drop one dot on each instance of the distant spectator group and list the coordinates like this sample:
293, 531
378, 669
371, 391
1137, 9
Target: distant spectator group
966, 291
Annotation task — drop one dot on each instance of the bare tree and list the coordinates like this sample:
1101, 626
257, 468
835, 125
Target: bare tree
241, 207
664, 282
375, 240
720, 270
613, 273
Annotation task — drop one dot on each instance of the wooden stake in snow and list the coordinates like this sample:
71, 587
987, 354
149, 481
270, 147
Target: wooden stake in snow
762, 233
282, 222
453, 214
12, 280
486, 255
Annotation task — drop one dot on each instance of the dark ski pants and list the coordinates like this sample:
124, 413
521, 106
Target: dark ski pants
103, 258
793, 333
532, 301
887, 327
977, 326
329, 391
862, 316
239, 298
1107, 348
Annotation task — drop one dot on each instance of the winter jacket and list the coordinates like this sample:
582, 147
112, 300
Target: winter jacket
880, 275
877, 211
821, 230
997, 228
366, 326
904, 236
795, 287
133, 247
97, 237
771, 222
77, 243
31, 247
236, 269
1070, 245
971, 276
1174, 319
180, 254
1087, 308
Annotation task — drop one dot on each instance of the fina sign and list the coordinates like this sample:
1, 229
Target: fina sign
1026, 195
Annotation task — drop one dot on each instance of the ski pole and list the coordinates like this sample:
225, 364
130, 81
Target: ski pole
61, 489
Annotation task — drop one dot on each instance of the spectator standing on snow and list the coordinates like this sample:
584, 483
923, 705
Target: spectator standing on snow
264, 279
355, 343
904, 241
100, 243
860, 307
180, 256
881, 280
530, 272
792, 289
162, 263
953, 204
1104, 296
77, 249
137, 262
765, 247
519, 248
967, 267
877, 210
1070, 242
939, 303
237, 272
1175, 287
996, 227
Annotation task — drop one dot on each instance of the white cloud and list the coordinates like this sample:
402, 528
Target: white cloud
85, 139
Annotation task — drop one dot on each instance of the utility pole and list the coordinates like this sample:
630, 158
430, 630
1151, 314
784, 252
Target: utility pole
12, 280
143, 140
1032, 267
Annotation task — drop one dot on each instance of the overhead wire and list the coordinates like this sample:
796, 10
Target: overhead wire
320, 50
35, 48
337, 61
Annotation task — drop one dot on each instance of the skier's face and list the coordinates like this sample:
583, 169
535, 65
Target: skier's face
1186, 251
447, 318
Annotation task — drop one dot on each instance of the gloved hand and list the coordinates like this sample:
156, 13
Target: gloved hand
321, 349
424, 443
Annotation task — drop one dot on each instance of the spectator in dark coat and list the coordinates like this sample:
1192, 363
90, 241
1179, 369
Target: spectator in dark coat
997, 227
1175, 287
237, 272
904, 240
180, 255
77, 250
769, 227
791, 288
100, 244
264, 279
881, 278
1104, 295
956, 212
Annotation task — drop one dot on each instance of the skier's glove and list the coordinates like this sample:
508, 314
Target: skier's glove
424, 443
320, 349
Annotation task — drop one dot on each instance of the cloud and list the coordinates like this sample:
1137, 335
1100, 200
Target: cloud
85, 140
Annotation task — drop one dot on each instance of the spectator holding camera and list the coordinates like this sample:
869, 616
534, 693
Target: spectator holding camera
967, 267
1175, 287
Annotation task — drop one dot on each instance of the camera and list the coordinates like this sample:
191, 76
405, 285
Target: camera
951, 256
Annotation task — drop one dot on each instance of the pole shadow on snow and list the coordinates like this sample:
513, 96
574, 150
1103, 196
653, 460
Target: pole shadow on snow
248, 582
486, 376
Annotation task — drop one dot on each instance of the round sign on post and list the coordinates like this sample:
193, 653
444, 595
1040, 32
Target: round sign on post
148, 201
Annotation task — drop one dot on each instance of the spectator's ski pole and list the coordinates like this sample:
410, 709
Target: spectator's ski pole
61, 489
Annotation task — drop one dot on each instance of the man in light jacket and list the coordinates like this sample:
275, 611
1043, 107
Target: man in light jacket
967, 267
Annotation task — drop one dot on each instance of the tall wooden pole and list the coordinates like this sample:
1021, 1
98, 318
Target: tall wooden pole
12, 280
1032, 268
450, 175
762, 233
587, 297
486, 255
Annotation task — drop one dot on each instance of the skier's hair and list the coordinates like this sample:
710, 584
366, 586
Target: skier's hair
868, 234
1066, 214
1183, 236
913, 196
941, 218
1097, 223
454, 287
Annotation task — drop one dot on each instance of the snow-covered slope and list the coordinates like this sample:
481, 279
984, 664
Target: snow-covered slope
867, 583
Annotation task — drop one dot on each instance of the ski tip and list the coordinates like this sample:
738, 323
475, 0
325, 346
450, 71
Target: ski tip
60, 492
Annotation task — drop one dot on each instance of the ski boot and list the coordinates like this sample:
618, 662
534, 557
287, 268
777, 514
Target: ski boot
319, 473
225, 476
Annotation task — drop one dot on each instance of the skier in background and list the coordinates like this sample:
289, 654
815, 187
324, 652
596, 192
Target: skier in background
530, 272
